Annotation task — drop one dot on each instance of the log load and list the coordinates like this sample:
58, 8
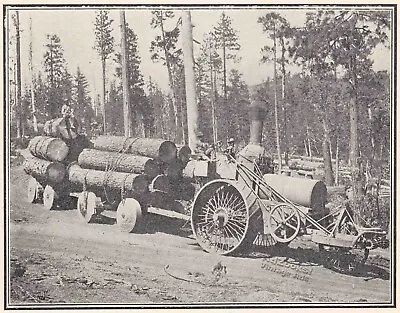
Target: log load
175, 168
131, 183
161, 183
119, 162
184, 153
305, 165
58, 128
149, 147
45, 172
48, 148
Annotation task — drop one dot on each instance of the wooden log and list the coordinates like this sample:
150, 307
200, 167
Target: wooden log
161, 183
174, 169
130, 183
119, 162
304, 165
48, 148
184, 153
150, 147
76, 146
59, 127
45, 172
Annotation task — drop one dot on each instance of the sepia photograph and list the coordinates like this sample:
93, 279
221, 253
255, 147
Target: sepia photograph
199, 156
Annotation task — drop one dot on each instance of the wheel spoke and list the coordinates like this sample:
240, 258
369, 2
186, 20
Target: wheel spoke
291, 226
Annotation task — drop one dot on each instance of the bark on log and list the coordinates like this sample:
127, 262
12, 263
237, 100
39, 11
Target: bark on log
48, 148
45, 172
130, 183
119, 162
305, 165
58, 128
150, 147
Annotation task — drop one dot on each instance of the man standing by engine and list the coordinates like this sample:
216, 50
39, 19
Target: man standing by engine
230, 149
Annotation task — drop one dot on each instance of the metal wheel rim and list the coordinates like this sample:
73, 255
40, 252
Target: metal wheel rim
48, 197
129, 214
278, 223
86, 205
32, 190
220, 222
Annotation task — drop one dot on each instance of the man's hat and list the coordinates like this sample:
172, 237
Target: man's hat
230, 140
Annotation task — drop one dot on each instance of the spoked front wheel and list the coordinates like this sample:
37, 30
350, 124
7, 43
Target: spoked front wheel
284, 223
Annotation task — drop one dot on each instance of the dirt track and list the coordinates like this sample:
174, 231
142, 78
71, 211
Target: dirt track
55, 258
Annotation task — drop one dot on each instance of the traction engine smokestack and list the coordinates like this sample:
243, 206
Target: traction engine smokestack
257, 115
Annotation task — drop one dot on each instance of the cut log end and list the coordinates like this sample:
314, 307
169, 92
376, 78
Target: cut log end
184, 153
56, 172
167, 151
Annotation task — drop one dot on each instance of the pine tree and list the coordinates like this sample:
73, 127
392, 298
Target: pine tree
226, 38
104, 46
164, 48
55, 70
139, 104
82, 101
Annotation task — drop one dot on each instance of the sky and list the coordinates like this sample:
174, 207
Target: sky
75, 27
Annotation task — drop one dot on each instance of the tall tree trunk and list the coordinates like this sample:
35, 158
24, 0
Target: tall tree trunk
190, 83
278, 147
125, 87
215, 98
357, 177
170, 78
337, 163
283, 67
327, 153
19, 109
103, 68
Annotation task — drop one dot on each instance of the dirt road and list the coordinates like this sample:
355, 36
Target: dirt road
55, 258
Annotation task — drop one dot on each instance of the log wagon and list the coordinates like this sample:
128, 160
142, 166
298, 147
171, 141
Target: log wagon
229, 202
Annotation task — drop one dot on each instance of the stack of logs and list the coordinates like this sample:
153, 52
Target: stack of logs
147, 169
46, 165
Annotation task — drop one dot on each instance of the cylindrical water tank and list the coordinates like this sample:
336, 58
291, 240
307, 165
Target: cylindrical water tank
306, 192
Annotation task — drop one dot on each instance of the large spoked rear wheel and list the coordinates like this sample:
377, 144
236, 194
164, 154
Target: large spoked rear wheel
221, 217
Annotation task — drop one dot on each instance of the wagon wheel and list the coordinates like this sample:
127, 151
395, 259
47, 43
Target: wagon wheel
34, 191
50, 197
86, 206
221, 219
342, 260
284, 223
129, 215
